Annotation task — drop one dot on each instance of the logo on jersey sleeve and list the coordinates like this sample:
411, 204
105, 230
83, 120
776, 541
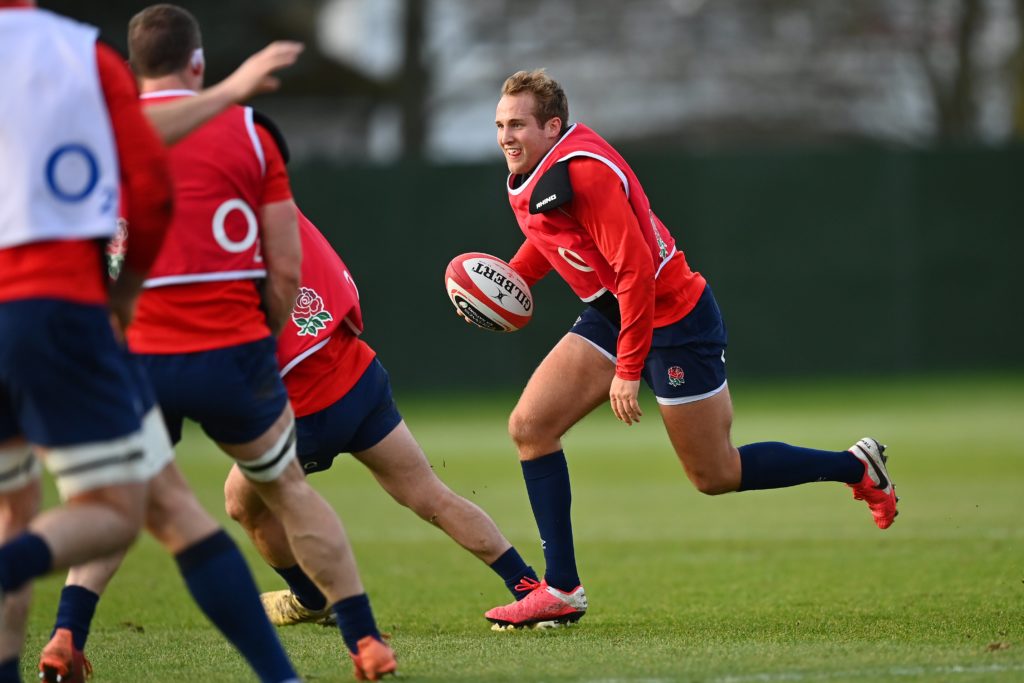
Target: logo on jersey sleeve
309, 314
662, 247
676, 376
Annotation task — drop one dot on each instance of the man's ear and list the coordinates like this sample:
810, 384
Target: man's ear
553, 126
197, 64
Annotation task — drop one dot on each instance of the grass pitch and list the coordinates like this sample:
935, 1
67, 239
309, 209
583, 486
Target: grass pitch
788, 585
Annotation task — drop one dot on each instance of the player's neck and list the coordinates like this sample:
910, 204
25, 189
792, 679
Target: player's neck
169, 82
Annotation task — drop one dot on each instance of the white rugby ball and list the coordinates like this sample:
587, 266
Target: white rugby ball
488, 292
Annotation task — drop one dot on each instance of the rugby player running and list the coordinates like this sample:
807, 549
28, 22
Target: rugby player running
585, 215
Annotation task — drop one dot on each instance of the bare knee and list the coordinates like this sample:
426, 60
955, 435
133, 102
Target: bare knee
242, 503
236, 510
531, 434
17, 509
16, 606
712, 483
520, 428
714, 476
427, 501
249, 517
281, 497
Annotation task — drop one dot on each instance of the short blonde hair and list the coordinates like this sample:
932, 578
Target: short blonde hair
548, 94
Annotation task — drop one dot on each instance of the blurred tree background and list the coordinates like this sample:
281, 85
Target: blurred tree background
384, 79
844, 173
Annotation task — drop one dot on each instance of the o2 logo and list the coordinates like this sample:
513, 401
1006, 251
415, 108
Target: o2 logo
72, 174
220, 233
574, 260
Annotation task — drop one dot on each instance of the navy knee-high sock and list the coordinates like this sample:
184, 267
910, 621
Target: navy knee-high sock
773, 465
10, 671
75, 611
355, 619
512, 569
223, 587
303, 587
22, 559
547, 484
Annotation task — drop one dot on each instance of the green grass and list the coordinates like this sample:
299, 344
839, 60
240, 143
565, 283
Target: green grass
790, 585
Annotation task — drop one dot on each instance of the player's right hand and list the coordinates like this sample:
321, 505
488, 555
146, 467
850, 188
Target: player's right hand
123, 295
122, 310
623, 399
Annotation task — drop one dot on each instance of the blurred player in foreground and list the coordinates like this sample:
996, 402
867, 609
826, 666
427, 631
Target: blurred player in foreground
203, 570
207, 345
585, 215
67, 393
342, 397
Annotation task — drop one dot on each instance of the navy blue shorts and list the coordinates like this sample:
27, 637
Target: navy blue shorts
686, 362
234, 393
64, 379
355, 422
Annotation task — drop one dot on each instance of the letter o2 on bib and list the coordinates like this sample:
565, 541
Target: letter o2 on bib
574, 260
220, 234
64, 169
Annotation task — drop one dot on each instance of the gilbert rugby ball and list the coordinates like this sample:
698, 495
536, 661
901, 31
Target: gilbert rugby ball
488, 292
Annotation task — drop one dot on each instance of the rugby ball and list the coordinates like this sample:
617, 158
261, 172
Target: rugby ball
488, 292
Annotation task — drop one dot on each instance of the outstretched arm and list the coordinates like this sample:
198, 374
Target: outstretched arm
174, 120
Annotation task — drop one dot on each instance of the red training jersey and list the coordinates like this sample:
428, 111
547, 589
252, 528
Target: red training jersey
320, 355
202, 291
585, 214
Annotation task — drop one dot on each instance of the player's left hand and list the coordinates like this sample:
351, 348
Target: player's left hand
256, 74
623, 397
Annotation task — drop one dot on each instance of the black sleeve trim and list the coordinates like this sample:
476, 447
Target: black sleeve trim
608, 306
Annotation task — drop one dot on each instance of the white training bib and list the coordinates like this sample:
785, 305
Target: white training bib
58, 162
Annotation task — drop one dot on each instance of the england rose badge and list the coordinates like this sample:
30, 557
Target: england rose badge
308, 314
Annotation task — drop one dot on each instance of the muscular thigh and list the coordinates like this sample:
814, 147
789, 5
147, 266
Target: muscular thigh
699, 432
569, 383
400, 466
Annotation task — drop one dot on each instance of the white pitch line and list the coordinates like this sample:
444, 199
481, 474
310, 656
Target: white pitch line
895, 672
779, 677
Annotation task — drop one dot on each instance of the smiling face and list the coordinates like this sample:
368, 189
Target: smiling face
522, 138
